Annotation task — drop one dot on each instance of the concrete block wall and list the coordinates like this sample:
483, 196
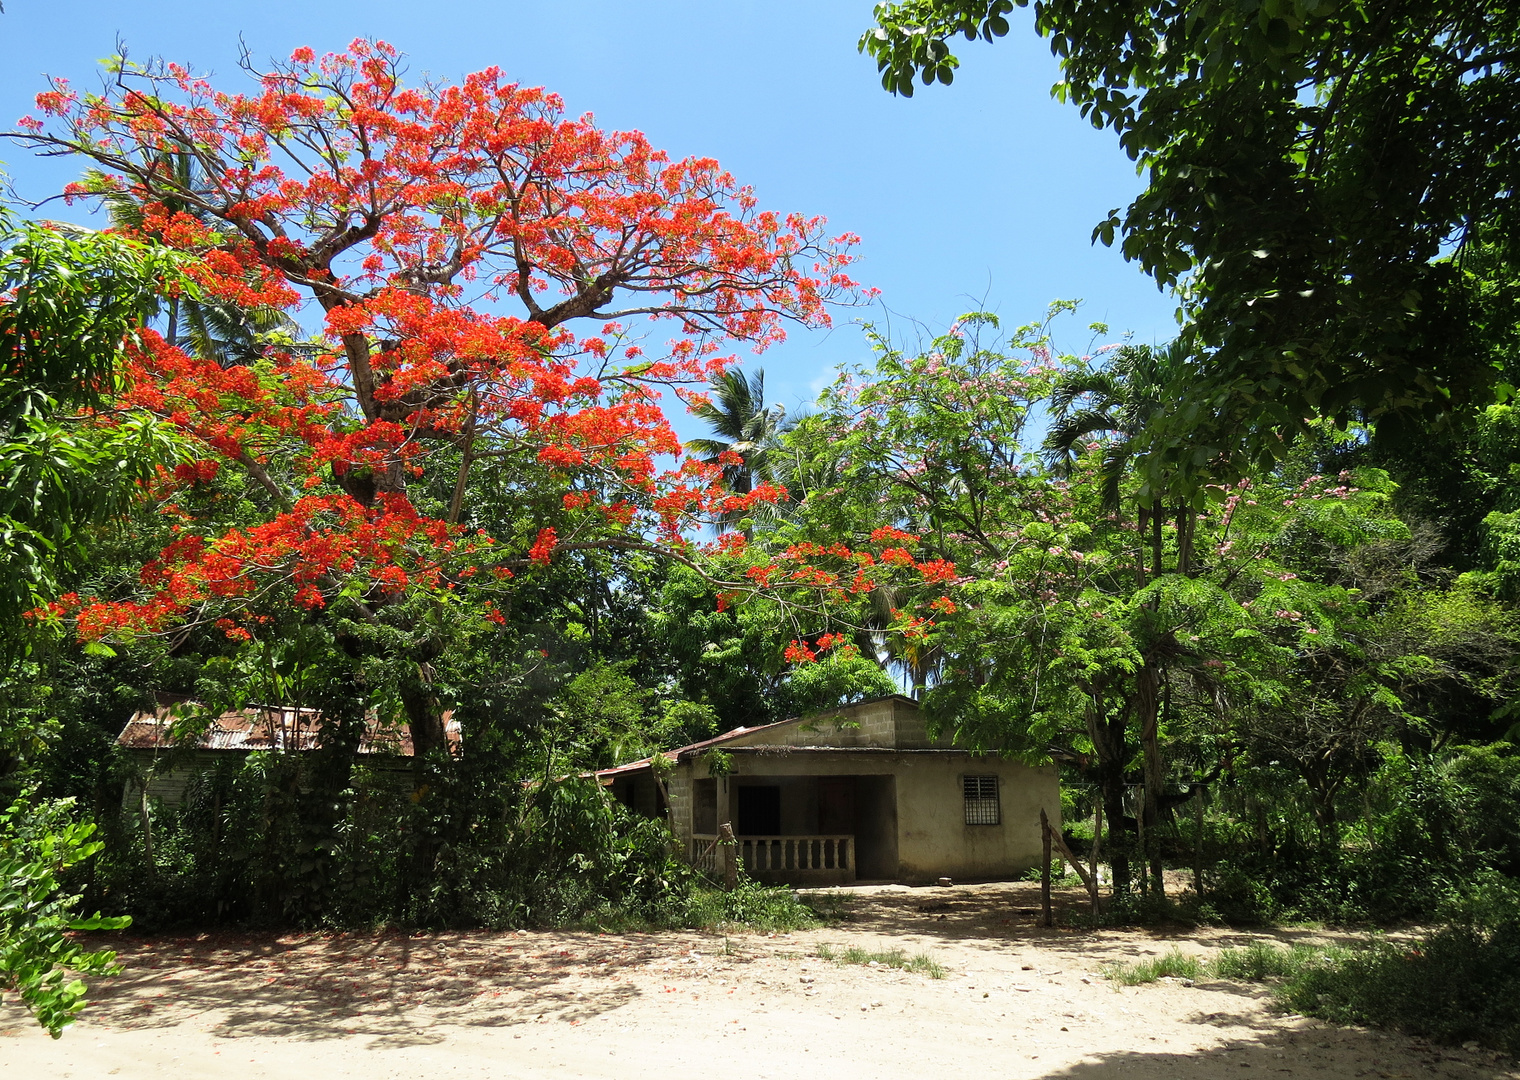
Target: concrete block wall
886, 723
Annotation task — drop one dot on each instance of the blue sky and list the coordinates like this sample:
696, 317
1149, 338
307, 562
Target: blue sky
985, 191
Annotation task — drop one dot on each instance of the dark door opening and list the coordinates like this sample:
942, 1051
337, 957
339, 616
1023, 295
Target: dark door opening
876, 828
759, 811
836, 804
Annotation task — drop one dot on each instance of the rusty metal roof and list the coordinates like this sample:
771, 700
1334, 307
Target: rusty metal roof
675, 756
262, 727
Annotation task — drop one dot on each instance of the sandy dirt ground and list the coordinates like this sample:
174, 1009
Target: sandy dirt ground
1019, 1001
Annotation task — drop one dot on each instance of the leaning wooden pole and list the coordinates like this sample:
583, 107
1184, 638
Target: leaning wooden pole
1045, 869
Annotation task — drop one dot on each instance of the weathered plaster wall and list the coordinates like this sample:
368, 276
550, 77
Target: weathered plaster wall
933, 839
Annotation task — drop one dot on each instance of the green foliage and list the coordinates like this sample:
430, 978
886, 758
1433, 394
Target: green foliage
68, 301
1304, 170
750, 906
40, 962
1254, 963
1262, 960
1171, 965
603, 717
1460, 983
729, 660
836, 680
745, 427
1417, 828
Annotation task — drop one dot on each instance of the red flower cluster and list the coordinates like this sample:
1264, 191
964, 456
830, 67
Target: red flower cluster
393, 210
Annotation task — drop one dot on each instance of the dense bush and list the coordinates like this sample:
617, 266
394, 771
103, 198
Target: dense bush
244, 846
1420, 829
1460, 983
40, 960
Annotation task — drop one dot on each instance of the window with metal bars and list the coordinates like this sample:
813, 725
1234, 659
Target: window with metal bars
982, 800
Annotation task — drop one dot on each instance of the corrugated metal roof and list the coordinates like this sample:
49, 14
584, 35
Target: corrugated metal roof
677, 755
728, 736
264, 727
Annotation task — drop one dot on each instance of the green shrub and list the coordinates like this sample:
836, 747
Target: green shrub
750, 906
1460, 983
40, 961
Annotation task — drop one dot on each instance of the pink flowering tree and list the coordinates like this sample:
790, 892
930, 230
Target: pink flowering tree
1055, 614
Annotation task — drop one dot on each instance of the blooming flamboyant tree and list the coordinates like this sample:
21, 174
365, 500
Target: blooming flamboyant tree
482, 267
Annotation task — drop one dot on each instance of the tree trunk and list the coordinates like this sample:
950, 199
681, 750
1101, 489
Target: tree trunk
1198, 843
329, 772
1118, 844
1109, 745
424, 721
1148, 706
146, 819
1322, 792
1156, 542
424, 716
1187, 522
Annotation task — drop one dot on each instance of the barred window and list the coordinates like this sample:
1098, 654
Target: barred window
982, 800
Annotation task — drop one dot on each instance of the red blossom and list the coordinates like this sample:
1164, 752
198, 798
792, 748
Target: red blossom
543, 547
389, 210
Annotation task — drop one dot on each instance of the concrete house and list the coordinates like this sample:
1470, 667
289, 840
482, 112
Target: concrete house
861, 793
164, 766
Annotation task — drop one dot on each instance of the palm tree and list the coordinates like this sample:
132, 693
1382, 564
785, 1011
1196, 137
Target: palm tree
222, 332
743, 425
1113, 405
1116, 401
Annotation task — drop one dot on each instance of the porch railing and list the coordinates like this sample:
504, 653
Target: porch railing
779, 854
797, 854
705, 855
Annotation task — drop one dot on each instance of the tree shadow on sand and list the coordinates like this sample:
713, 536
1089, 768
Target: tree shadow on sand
1303, 1051
394, 987
1009, 914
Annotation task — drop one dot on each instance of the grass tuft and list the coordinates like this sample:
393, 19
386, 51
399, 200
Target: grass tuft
920, 963
1173, 965
751, 907
1262, 960
1256, 962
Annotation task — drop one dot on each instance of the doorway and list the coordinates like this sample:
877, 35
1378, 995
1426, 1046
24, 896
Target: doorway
759, 811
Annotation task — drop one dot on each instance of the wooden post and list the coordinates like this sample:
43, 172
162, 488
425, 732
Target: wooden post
1198, 846
1092, 886
730, 849
1045, 868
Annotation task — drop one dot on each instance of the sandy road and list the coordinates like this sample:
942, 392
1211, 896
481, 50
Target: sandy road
1018, 1002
